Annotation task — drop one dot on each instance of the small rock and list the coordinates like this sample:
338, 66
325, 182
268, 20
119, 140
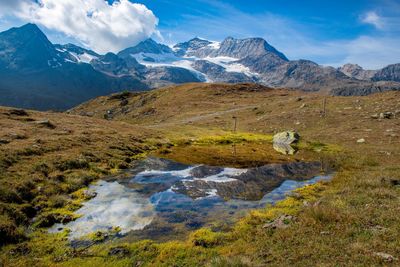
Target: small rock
386, 257
385, 153
361, 141
375, 116
18, 112
89, 194
87, 114
21, 249
4, 142
281, 222
303, 105
391, 181
124, 102
377, 228
386, 115
119, 252
46, 123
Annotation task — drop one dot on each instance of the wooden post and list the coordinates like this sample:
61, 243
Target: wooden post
235, 124
324, 108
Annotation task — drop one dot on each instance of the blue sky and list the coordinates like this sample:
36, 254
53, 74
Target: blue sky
366, 32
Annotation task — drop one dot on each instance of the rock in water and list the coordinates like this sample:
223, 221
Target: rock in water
287, 137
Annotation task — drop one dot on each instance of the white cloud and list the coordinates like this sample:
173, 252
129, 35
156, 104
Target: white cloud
10, 4
373, 52
373, 19
94, 23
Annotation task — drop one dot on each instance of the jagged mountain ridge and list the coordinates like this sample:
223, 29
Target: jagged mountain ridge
34, 73
254, 60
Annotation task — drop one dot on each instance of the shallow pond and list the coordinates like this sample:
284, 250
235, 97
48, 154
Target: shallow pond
162, 199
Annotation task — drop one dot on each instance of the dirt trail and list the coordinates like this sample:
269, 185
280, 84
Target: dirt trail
202, 117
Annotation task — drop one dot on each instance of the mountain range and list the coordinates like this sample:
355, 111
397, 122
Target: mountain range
34, 73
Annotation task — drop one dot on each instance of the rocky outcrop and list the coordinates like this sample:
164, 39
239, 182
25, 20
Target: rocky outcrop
364, 88
162, 76
389, 73
116, 66
286, 138
357, 72
241, 48
147, 46
195, 47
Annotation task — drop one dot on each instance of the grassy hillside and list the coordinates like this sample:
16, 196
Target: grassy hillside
352, 220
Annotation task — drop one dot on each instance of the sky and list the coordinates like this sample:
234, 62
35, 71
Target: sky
365, 32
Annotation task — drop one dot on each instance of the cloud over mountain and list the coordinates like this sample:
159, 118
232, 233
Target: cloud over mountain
95, 23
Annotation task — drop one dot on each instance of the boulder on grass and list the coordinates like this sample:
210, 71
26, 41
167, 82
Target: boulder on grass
287, 138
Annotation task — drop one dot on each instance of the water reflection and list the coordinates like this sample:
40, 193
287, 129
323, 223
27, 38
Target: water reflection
163, 197
285, 149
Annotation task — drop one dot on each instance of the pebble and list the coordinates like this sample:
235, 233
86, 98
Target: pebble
386, 257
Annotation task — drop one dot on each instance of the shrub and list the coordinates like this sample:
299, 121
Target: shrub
9, 232
72, 164
205, 238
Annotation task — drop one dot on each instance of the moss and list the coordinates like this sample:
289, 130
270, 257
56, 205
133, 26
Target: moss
320, 147
232, 138
180, 254
72, 164
52, 216
205, 238
97, 236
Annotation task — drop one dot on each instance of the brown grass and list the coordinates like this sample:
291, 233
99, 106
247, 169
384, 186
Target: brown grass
346, 222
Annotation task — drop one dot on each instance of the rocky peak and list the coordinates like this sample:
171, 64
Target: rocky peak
148, 46
191, 46
112, 64
389, 73
241, 48
356, 71
76, 49
27, 47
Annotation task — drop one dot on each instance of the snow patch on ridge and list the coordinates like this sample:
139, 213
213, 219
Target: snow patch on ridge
83, 58
230, 65
169, 60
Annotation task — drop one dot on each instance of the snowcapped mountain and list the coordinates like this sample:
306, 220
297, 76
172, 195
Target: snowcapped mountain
76, 54
250, 60
34, 73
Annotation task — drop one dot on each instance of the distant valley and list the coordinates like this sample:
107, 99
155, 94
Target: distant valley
34, 73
